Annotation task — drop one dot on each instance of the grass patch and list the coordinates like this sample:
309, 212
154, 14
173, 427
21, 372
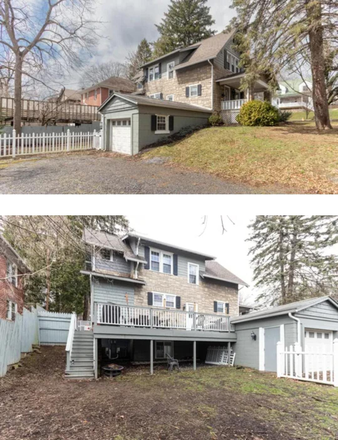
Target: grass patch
293, 157
301, 116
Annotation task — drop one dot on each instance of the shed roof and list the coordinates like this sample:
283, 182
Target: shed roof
285, 309
216, 271
142, 100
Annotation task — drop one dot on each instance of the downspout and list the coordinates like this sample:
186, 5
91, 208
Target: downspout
298, 328
212, 85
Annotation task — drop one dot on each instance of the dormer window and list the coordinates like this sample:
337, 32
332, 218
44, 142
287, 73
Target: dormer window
161, 261
106, 254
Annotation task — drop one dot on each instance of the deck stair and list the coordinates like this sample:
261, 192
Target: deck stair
81, 364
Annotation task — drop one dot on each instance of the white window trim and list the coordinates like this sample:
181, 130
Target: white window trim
197, 274
173, 70
13, 273
224, 309
190, 87
166, 131
9, 312
111, 255
152, 69
164, 295
153, 96
172, 96
161, 261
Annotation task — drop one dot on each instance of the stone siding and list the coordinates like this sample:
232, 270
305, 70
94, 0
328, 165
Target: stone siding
204, 295
8, 291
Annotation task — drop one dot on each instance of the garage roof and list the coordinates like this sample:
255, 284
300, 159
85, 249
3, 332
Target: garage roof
142, 100
285, 309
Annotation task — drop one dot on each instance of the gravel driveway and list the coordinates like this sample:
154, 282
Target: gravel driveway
106, 173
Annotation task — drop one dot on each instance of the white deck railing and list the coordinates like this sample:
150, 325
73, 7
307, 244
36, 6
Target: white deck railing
133, 316
45, 143
319, 366
235, 104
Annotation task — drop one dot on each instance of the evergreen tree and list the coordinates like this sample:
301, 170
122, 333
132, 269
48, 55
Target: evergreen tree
186, 22
136, 59
274, 35
54, 250
292, 258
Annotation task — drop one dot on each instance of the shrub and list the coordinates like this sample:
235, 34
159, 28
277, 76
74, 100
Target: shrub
258, 113
215, 119
284, 116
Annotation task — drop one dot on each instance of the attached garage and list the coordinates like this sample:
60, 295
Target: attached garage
131, 122
312, 323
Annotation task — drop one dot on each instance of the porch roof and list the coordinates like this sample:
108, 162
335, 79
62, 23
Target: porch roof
113, 277
236, 79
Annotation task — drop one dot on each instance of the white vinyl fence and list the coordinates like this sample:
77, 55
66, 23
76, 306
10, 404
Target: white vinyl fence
45, 143
319, 366
17, 337
53, 327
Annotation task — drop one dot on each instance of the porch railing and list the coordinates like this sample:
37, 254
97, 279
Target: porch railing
133, 316
71, 333
235, 104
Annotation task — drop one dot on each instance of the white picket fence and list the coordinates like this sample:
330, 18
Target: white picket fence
17, 337
45, 143
319, 367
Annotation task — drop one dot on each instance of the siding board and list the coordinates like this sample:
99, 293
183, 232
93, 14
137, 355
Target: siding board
107, 291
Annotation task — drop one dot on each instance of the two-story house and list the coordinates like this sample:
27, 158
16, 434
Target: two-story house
294, 96
150, 299
182, 88
12, 267
98, 93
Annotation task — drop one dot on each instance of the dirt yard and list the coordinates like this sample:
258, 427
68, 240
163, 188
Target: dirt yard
36, 403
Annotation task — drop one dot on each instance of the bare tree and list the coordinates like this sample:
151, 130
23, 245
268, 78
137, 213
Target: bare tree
53, 35
100, 72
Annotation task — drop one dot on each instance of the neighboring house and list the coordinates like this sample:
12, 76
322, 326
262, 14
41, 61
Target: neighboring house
150, 299
97, 94
312, 323
294, 96
12, 267
179, 89
66, 96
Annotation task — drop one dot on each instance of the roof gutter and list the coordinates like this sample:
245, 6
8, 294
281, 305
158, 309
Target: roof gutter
298, 327
212, 85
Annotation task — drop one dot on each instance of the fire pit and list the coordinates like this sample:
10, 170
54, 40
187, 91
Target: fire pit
112, 370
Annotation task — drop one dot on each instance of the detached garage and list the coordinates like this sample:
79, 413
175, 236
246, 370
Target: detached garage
132, 122
312, 323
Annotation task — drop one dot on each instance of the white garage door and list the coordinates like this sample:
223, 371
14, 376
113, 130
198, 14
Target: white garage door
121, 136
318, 341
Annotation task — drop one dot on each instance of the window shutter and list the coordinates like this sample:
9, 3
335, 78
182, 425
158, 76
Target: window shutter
171, 123
146, 75
215, 306
150, 298
200, 90
225, 59
160, 70
161, 96
227, 308
147, 257
153, 122
175, 265
187, 92
178, 302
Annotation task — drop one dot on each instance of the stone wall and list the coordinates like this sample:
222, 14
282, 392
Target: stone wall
204, 295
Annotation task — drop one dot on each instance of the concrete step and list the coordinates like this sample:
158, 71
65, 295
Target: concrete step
78, 368
83, 344
80, 375
82, 350
83, 362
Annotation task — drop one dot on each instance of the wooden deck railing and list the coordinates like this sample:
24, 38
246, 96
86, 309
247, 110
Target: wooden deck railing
147, 317
46, 111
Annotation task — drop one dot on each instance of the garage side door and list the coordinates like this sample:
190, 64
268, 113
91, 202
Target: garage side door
121, 136
272, 336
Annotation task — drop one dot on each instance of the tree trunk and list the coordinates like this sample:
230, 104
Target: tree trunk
291, 276
18, 94
281, 263
316, 43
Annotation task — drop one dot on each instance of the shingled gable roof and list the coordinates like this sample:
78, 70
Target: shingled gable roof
214, 270
104, 240
142, 100
114, 83
285, 309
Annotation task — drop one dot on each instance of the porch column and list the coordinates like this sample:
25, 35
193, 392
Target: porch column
229, 352
151, 357
195, 366
96, 360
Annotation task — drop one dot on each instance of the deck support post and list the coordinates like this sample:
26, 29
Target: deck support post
151, 357
195, 367
96, 361
229, 353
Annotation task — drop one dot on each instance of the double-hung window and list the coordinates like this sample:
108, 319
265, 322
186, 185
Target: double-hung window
170, 98
193, 273
193, 91
171, 70
161, 261
12, 273
164, 300
156, 96
162, 124
12, 309
221, 307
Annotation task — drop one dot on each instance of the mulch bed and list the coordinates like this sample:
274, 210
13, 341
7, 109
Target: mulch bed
37, 402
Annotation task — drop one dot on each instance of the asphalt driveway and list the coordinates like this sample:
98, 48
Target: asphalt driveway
106, 173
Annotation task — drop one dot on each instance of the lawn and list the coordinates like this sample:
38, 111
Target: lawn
210, 404
292, 158
300, 116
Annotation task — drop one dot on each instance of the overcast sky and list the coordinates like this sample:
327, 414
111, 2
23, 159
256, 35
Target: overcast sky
127, 22
188, 231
